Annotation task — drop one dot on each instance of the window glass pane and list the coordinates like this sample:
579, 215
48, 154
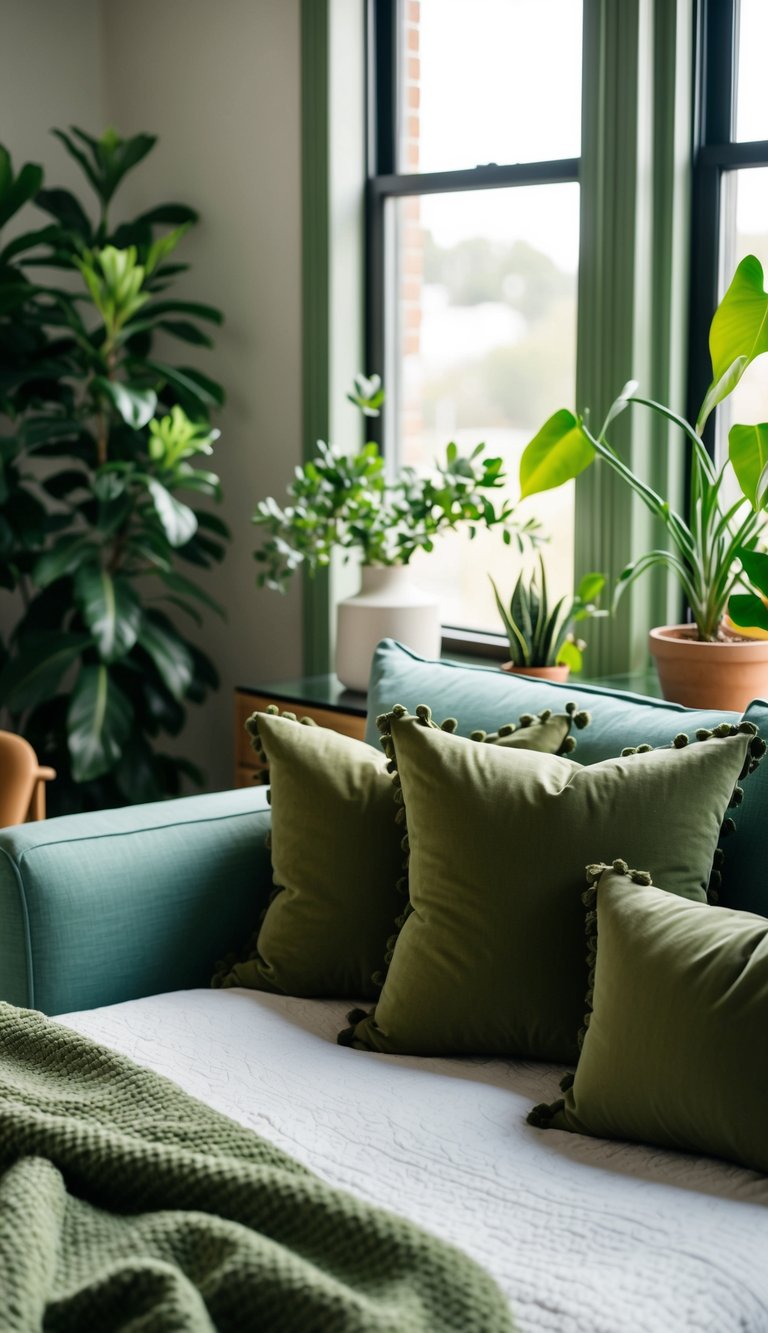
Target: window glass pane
488, 81
751, 100
483, 348
745, 232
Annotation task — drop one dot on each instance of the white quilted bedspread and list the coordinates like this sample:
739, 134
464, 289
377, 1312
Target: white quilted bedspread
583, 1235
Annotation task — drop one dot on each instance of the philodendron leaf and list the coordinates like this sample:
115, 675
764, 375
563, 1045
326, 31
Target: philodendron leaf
33, 674
738, 333
755, 566
748, 452
136, 406
111, 610
559, 452
748, 611
99, 722
178, 520
170, 655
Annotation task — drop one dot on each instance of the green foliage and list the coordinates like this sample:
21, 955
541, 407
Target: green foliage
749, 610
99, 481
540, 635
704, 547
347, 501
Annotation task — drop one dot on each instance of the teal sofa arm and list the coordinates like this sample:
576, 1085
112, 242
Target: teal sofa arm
99, 908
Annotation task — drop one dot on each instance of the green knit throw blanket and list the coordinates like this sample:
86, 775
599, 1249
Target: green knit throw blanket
127, 1205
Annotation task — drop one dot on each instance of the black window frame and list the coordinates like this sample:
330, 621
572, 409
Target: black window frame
385, 182
715, 151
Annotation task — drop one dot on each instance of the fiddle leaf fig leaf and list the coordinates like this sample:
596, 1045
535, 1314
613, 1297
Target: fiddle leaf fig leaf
99, 723
738, 333
34, 673
748, 452
558, 453
170, 655
111, 610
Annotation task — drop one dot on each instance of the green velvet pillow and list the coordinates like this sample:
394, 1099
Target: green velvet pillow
336, 857
675, 1052
490, 957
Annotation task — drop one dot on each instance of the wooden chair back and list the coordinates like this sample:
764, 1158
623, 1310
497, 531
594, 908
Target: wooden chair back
22, 781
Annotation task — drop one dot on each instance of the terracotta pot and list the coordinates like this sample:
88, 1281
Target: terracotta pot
728, 674
558, 673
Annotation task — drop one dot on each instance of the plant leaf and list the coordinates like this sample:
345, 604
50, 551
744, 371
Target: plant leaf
136, 406
170, 655
569, 654
33, 673
748, 452
748, 611
65, 556
755, 566
738, 333
110, 609
99, 722
178, 520
559, 452
590, 587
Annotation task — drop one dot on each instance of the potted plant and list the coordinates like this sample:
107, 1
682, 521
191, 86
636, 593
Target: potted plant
705, 663
348, 502
100, 483
541, 639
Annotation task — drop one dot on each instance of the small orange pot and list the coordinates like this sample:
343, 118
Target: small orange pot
558, 673
728, 674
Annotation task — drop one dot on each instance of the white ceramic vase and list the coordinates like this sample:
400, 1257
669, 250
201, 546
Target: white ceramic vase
388, 606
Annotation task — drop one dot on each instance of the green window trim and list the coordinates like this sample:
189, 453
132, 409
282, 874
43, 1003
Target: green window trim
633, 280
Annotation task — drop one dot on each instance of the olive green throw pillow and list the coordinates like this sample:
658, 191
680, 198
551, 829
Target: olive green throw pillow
336, 858
490, 958
676, 1052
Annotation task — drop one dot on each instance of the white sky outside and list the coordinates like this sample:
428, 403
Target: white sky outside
504, 88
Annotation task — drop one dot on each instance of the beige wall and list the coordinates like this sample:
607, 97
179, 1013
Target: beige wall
220, 85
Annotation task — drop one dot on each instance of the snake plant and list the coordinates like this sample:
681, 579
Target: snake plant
540, 636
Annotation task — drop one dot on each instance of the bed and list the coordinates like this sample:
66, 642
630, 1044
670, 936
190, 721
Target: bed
583, 1236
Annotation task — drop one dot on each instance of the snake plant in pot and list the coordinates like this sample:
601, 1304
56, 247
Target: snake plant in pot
706, 663
540, 634
100, 483
349, 503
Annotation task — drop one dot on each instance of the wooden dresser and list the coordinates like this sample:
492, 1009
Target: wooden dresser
323, 698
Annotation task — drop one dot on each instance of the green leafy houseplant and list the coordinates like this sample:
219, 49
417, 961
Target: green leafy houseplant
347, 502
541, 635
703, 545
102, 438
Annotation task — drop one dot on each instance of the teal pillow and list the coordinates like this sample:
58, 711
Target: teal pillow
674, 1051
489, 959
478, 696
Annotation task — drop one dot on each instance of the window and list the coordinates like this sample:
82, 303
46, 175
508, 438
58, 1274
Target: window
473, 243
730, 212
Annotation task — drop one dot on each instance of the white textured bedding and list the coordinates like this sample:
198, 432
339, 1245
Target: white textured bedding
584, 1236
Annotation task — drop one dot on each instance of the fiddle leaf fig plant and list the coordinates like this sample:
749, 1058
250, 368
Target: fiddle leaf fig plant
100, 482
704, 544
541, 635
348, 502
